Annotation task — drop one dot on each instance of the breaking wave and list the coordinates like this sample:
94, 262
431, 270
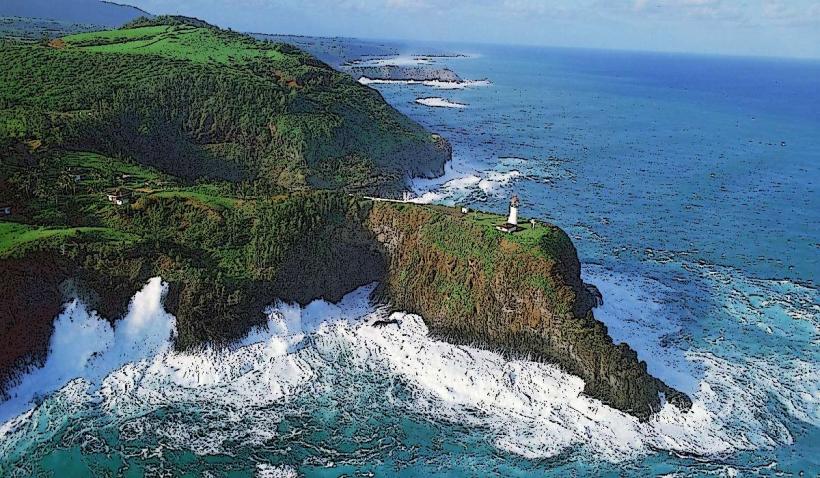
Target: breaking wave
531, 409
461, 183
440, 103
442, 85
85, 346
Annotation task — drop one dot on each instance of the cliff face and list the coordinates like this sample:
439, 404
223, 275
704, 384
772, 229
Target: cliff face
425, 160
29, 301
520, 293
475, 286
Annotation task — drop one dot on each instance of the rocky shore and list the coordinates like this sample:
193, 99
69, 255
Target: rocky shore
521, 294
404, 73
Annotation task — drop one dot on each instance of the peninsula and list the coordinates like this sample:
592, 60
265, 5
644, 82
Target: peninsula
236, 170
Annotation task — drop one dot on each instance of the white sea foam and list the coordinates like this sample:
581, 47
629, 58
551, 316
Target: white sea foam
731, 394
634, 313
462, 183
440, 103
460, 188
531, 409
270, 471
85, 346
442, 85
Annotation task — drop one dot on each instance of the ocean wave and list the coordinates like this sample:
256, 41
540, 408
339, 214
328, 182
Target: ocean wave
531, 409
85, 346
476, 186
460, 183
440, 103
442, 85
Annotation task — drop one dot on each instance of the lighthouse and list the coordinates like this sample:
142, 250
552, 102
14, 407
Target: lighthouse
512, 221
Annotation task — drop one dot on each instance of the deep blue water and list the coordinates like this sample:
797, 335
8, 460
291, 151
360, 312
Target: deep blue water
689, 185
691, 179
674, 151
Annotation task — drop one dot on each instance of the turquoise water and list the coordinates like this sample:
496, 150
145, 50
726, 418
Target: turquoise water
689, 185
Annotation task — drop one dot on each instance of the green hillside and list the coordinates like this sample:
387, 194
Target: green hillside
196, 101
182, 42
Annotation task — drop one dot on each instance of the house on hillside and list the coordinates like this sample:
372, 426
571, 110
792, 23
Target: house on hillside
120, 196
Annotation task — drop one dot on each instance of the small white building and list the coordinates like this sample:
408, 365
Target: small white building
512, 220
465, 210
119, 197
5, 210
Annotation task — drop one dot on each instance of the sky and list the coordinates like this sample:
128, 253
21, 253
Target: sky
780, 28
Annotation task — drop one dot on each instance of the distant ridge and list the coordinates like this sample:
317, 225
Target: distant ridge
95, 12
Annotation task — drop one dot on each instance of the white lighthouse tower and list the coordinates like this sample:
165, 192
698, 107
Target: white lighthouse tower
512, 221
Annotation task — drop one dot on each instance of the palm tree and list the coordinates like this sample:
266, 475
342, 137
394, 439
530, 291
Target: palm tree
66, 183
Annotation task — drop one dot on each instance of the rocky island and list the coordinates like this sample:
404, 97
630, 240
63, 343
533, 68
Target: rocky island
236, 170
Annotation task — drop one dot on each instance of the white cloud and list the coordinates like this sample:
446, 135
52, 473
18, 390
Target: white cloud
408, 4
783, 14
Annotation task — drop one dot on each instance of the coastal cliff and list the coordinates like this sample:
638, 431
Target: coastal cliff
519, 293
226, 166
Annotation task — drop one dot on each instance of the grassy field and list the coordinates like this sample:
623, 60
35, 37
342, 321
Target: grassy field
215, 201
104, 163
526, 235
545, 240
13, 235
199, 45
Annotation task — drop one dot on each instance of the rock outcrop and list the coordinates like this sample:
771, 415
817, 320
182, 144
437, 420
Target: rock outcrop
404, 73
475, 286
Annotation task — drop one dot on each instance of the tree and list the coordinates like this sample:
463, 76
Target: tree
66, 182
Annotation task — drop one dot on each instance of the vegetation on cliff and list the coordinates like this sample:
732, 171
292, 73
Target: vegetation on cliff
209, 131
520, 293
200, 102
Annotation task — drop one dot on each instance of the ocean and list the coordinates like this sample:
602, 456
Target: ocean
689, 185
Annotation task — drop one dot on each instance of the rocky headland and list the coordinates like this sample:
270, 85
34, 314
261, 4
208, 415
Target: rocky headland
236, 170
519, 293
404, 73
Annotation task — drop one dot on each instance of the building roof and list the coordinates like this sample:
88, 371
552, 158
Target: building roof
507, 227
